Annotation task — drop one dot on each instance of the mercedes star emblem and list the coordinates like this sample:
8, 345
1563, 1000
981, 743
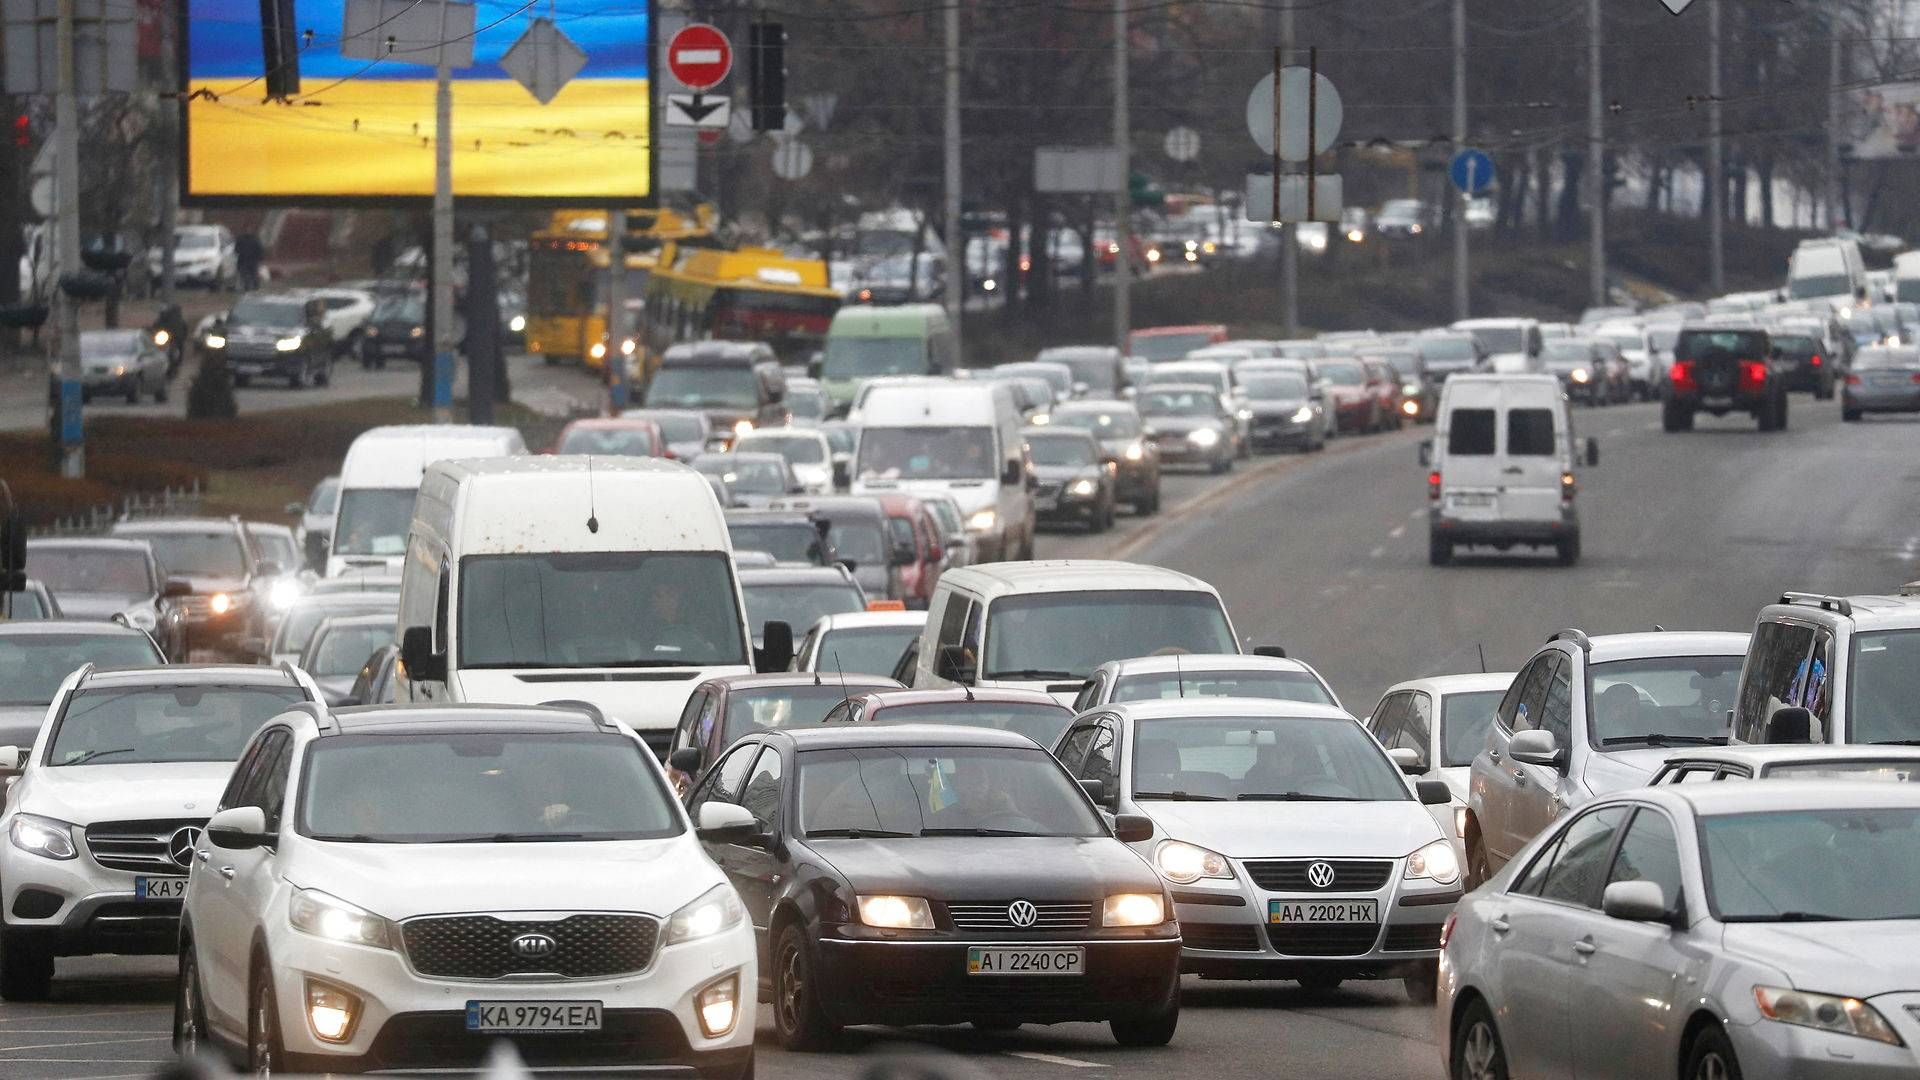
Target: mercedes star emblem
180, 846
1022, 913
1320, 874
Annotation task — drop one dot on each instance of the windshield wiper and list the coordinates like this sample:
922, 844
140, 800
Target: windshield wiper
91, 754
857, 834
1790, 916
978, 832
1658, 739
356, 838
1179, 796
1290, 796
511, 838
1895, 742
1032, 673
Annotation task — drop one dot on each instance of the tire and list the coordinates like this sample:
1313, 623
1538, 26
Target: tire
26, 968
324, 377
1711, 1057
1219, 465
1151, 1029
1424, 985
1476, 1052
1567, 550
1479, 867
798, 1019
160, 393
189, 1008
133, 392
1675, 416
298, 380
1851, 416
265, 1052
1320, 984
1780, 413
1439, 551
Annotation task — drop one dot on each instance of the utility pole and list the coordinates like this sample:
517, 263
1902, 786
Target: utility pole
957, 276
444, 339
66, 170
618, 392
1289, 242
1716, 180
1123, 198
1462, 284
1836, 212
1596, 173
170, 178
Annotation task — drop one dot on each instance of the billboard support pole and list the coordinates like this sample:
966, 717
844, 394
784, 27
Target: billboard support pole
1123, 196
443, 336
618, 392
66, 168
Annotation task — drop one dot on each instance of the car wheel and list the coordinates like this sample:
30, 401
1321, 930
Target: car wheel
1711, 1057
1567, 550
1676, 417
133, 392
241, 381
298, 380
263, 1025
1320, 984
1149, 1029
189, 1009
1439, 551
1424, 984
1479, 867
1477, 1053
797, 1016
160, 392
26, 968
324, 377
1849, 415
1780, 413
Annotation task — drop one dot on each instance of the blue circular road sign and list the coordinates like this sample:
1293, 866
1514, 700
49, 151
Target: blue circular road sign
1472, 171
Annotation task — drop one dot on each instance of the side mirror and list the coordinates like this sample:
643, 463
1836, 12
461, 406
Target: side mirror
269, 568
1636, 901
1432, 792
1791, 725
1536, 747
175, 587
1407, 758
1132, 828
776, 647
1096, 790
725, 823
1426, 453
905, 555
954, 665
1593, 452
13, 759
1080, 389
687, 759
1013, 473
842, 473
1274, 651
240, 828
416, 652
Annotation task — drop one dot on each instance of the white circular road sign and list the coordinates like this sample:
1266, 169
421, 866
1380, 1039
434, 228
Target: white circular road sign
1293, 136
1183, 144
792, 159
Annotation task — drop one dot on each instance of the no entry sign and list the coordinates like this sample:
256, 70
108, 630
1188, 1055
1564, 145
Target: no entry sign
699, 56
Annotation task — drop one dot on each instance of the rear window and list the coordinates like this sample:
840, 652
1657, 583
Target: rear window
1530, 432
1470, 431
1700, 344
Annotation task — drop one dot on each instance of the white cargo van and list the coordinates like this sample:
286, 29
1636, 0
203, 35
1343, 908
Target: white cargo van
1512, 346
947, 437
379, 478
604, 579
1906, 277
1827, 267
1501, 466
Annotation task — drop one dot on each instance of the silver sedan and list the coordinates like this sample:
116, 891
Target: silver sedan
1726, 930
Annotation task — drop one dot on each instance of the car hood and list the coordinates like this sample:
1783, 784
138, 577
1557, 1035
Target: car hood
1276, 406
400, 881
688, 449
19, 724
1265, 830
1060, 474
1623, 769
207, 586
99, 605
1046, 868
645, 699
1859, 959
84, 794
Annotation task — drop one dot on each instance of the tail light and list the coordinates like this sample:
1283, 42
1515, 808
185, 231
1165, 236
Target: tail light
1566, 487
1916, 376
1753, 374
1815, 361
1854, 380
1446, 929
1433, 486
1681, 375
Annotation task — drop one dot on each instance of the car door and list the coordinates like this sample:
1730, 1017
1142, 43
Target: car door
1540, 792
1416, 730
752, 865
245, 879
1491, 785
1384, 724
1534, 434
221, 932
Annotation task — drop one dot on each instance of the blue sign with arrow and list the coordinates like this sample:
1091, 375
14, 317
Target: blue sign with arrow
1471, 171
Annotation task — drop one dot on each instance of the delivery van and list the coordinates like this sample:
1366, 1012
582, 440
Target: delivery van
1501, 467
948, 437
865, 342
379, 478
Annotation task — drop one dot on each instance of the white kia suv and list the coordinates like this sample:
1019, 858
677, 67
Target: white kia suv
397, 887
109, 801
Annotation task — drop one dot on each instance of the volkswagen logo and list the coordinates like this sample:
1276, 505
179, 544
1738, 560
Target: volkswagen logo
181, 844
533, 946
1022, 913
1320, 875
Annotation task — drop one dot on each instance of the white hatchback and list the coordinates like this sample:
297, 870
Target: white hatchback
396, 888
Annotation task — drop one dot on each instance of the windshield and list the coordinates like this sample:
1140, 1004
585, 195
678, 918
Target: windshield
373, 521
753, 709
1098, 370
277, 547
1449, 352
929, 790
798, 605
864, 358
1104, 425
795, 542
1464, 719
705, 386
1060, 450
1272, 685
859, 540
926, 453
1343, 372
403, 308
869, 650
762, 476
297, 628
1698, 344
1812, 865
109, 344
806, 404
1157, 347
208, 554
797, 449
325, 497
1169, 376
194, 241
1261, 757
680, 427
1799, 346
90, 570
1561, 356
622, 442
344, 649
464, 787
1500, 339
1274, 387
182, 723
1884, 694
1179, 403
1040, 722
255, 311
1639, 703
33, 665
1802, 288
1066, 635
598, 609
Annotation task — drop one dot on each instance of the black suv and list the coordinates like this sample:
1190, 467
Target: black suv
1726, 369
1810, 368
277, 337
738, 384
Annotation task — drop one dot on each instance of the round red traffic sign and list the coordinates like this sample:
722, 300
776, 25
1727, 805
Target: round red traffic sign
709, 136
699, 56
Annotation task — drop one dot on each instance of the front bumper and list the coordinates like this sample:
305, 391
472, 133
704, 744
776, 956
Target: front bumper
1768, 1048
1065, 507
926, 982
1180, 450
272, 363
1280, 430
1882, 400
77, 907
1720, 404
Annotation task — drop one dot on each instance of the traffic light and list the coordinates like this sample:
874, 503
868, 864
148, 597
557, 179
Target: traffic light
767, 75
280, 48
22, 131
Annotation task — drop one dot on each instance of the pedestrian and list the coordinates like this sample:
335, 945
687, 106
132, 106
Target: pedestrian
248, 253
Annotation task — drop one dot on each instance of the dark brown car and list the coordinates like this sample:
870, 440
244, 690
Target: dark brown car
722, 711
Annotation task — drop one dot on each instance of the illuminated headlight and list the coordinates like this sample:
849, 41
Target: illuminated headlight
984, 520
1203, 437
1183, 863
1846, 313
626, 347
221, 603
719, 1006
161, 337
741, 427
288, 344
1355, 235
896, 912
417, 332
215, 341
1460, 821
1153, 255
1193, 245
1084, 487
314, 912
598, 350
517, 324
1209, 247
1581, 375
1302, 414
1136, 450
1436, 862
119, 370
1244, 414
1133, 909
1415, 229
1410, 388
1824, 1012
42, 836
1193, 256
716, 910
1411, 407
1040, 420
373, 331
331, 1011
1113, 249
284, 593
989, 285
1893, 339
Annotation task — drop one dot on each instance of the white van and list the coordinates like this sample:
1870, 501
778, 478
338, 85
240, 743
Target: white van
949, 437
1501, 466
607, 579
1512, 346
379, 478
1906, 277
1048, 626
1828, 267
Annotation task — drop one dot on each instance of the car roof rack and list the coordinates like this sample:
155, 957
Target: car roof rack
591, 710
1838, 604
1578, 637
322, 719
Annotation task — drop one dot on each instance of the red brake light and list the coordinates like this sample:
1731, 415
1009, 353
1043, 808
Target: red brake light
1681, 375
1816, 360
1753, 374
1433, 485
1853, 380
1916, 376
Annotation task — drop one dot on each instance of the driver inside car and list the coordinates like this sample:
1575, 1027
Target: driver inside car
967, 794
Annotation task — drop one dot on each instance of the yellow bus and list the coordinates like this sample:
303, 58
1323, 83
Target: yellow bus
749, 294
567, 276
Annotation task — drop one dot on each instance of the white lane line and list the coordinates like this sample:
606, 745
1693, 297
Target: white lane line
1396, 532
1417, 514
1053, 1059
1614, 432
84, 1042
1650, 427
1377, 552
93, 1012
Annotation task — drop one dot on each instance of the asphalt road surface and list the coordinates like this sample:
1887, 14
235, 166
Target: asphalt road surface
1326, 555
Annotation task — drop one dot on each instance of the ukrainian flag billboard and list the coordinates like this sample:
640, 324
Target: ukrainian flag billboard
362, 129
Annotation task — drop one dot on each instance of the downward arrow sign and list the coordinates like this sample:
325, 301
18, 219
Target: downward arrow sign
700, 108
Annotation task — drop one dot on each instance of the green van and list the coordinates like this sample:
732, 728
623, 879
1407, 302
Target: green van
867, 341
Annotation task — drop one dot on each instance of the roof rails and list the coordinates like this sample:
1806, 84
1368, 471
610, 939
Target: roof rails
1911, 588
322, 719
591, 710
1838, 604
1578, 637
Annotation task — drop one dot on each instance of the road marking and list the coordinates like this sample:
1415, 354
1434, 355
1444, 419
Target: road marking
1397, 532
1417, 514
1614, 432
86, 1042
1053, 1059
93, 1012
1377, 552
1650, 427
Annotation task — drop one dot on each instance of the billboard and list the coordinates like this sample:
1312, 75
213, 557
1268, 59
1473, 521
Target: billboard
1887, 124
360, 130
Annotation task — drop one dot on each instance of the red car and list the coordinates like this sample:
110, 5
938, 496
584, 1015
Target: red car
1156, 344
1353, 393
911, 528
1387, 389
612, 436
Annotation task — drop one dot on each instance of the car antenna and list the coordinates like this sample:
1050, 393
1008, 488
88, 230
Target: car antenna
593, 517
845, 698
1179, 677
1483, 656
1659, 629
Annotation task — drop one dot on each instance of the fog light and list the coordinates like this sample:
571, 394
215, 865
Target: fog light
1411, 408
719, 1007
221, 603
331, 1011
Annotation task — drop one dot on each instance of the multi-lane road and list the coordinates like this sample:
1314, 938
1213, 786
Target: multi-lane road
1326, 555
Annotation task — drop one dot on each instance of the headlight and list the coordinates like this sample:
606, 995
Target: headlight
373, 331
288, 344
42, 836
1244, 414
741, 427
1084, 487
1581, 375
1302, 414
284, 593
216, 341
1184, 863
1134, 909
221, 603
717, 909
1153, 255
984, 520
119, 370
517, 324
896, 912
1136, 450
1436, 862
1355, 235
417, 332
141, 618
598, 351
1203, 437
314, 912
1040, 419
1825, 1012
1410, 406
626, 347
161, 337
1414, 229
1410, 389
989, 285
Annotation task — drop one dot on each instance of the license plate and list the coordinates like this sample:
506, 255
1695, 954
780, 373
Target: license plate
1716, 399
995, 960
1469, 500
1323, 911
393, 349
1042, 502
160, 888
533, 1016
